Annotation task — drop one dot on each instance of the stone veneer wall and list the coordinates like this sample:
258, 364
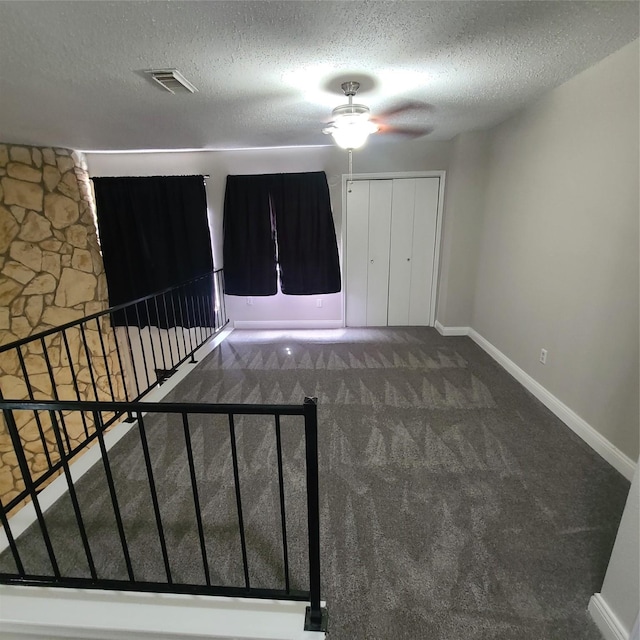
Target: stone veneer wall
51, 273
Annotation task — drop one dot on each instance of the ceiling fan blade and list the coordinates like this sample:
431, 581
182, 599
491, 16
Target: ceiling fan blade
404, 107
407, 132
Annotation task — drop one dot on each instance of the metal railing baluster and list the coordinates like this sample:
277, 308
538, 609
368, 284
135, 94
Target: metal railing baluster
214, 302
164, 360
12, 427
142, 349
314, 620
97, 420
131, 355
88, 356
176, 325
209, 314
166, 316
197, 328
236, 484
74, 379
119, 356
196, 498
106, 361
36, 415
202, 321
11, 540
154, 496
74, 498
205, 313
45, 353
153, 348
283, 517
223, 300
185, 326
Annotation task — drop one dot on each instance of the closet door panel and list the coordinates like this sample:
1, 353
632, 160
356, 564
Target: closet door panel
423, 250
380, 192
357, 227
402, 207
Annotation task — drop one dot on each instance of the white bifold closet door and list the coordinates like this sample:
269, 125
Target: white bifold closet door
391, 239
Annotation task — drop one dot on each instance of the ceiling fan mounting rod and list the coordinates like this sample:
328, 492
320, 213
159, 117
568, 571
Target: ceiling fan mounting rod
350, 109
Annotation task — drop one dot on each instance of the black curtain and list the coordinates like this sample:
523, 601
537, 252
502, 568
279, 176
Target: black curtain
154, 234
249, 248
293, 208
307, 247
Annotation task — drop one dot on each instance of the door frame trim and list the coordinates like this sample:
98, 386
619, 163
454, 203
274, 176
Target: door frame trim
435, 284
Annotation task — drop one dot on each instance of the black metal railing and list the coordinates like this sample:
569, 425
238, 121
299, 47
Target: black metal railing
139, 343
116, 355
176, 426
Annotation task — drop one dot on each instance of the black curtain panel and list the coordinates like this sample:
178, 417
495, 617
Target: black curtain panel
279, 218
307, 247
249, 248
154, 234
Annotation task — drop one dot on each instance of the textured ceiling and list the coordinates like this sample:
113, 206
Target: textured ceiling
268, 73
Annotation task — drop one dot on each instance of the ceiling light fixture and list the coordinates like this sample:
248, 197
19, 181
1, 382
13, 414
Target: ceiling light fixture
350, 126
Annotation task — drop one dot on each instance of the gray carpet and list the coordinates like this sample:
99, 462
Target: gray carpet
453, 504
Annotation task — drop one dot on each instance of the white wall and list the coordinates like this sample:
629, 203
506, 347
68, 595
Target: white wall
418, 155
462, 225
617, 606
558, 266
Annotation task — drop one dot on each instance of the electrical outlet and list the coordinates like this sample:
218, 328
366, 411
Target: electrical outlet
543, 356
319, 302
250, 301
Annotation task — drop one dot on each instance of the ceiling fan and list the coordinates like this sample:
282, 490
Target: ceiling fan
352, 123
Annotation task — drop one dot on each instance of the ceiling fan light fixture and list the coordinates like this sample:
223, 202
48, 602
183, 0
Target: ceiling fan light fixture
351, 125
351, 132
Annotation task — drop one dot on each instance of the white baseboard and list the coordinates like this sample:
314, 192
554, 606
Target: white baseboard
452, 331
606, 620
581, 427
49, 613
288, 324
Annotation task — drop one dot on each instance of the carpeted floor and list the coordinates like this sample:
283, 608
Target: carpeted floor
453, 504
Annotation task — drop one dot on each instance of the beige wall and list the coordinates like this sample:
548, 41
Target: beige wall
418, 155
558, 265
621, 587
462, 224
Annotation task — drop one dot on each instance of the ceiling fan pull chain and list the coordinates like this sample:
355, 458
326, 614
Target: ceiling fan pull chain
350, 181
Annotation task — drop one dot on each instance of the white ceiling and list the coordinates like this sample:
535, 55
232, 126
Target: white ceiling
269, 73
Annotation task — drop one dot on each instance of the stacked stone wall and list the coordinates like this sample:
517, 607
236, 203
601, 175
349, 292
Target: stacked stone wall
51, 273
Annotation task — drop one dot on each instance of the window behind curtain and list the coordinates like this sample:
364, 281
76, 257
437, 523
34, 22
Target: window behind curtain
292, 210
154, 233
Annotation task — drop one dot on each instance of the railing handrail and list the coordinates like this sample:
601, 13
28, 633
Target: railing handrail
152, 407
119, 307
147, 586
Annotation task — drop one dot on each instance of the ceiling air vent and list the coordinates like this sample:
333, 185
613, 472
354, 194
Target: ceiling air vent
171, 80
